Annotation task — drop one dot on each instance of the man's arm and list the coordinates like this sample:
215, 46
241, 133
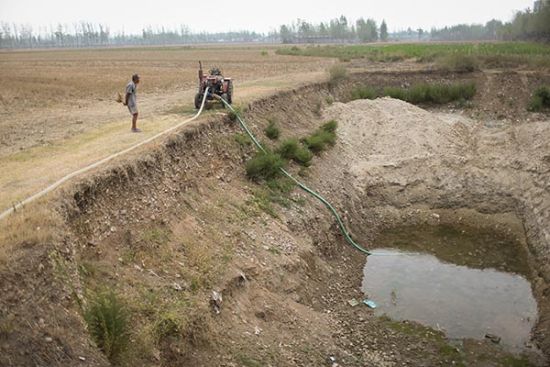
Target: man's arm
126, 99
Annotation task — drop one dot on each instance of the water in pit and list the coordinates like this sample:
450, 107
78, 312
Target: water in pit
465, 282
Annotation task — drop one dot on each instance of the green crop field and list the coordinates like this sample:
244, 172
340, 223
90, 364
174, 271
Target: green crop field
491, 54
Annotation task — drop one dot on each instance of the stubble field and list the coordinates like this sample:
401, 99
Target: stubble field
58, 109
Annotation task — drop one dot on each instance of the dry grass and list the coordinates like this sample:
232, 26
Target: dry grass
47, 78
36, 224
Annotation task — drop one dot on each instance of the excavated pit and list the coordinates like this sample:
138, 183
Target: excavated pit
137, 223
397, 164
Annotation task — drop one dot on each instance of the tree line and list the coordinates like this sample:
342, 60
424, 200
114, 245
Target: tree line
85, 34
335, 30
526, 25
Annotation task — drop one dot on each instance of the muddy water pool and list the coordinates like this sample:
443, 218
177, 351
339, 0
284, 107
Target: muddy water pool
465, 282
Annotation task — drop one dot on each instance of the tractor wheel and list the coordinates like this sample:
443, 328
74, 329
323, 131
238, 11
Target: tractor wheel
198, 100
225, 98
230, 93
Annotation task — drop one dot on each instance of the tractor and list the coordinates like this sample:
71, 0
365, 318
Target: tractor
216, 84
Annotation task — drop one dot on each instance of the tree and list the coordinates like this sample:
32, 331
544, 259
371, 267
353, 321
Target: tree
383, 31
286, 34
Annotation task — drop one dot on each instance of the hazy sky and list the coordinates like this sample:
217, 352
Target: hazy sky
218, 15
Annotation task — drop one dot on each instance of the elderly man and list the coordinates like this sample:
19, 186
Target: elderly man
131, 101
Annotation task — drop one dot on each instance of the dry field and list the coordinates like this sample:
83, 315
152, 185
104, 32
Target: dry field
57, 109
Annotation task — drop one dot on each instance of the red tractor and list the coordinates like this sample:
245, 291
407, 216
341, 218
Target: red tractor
217, 84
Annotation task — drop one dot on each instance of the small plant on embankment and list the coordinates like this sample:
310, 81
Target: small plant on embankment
540, 100
272, 131
292, 149
108, 323
264, 165
322, 138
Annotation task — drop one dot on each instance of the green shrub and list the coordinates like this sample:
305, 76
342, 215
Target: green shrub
292, 149
108, 323
337, 73
535, 104
330, 126
319, 140
303, 157
264, 165
265, 53
540, 99
272, 131
364, 92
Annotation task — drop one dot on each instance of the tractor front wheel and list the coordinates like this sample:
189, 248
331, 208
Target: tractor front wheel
198, 100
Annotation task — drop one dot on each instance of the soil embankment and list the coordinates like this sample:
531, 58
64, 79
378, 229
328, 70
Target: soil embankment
167, 228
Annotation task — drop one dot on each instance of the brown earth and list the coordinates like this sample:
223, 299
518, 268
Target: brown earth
166, 227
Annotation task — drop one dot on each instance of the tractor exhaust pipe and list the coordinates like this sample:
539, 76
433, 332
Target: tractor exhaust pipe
200, 72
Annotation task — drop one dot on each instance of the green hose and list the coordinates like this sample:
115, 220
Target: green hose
341, 225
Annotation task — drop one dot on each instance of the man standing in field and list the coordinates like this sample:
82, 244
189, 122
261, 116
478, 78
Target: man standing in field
131, 101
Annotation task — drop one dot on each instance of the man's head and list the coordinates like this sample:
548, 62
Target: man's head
135, 78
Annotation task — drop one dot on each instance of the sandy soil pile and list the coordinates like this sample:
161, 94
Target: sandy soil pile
398, 157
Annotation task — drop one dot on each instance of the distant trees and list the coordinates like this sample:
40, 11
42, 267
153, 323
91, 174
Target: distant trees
335, 30
366, 30
85, 34
526, 25
383, 31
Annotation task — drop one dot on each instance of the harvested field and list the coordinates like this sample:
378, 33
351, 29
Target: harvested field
166, 226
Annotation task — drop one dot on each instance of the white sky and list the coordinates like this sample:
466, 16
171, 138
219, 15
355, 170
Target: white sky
259, 15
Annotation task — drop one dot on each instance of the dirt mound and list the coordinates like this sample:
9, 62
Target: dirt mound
400, 160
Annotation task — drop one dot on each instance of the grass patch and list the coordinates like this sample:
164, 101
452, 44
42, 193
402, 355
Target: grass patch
458, 63
272, 131
237, 111
337, 73
156, 235
484, 53
242, 139
167, 325
264, 166
247, 361
292, 149
108, 323
363, 92
322, 138
275, 191
513, 361
433, 93
540, 100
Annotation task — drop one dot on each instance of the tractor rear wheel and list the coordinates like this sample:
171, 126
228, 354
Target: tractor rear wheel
225, 98
230, 93
198, 100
